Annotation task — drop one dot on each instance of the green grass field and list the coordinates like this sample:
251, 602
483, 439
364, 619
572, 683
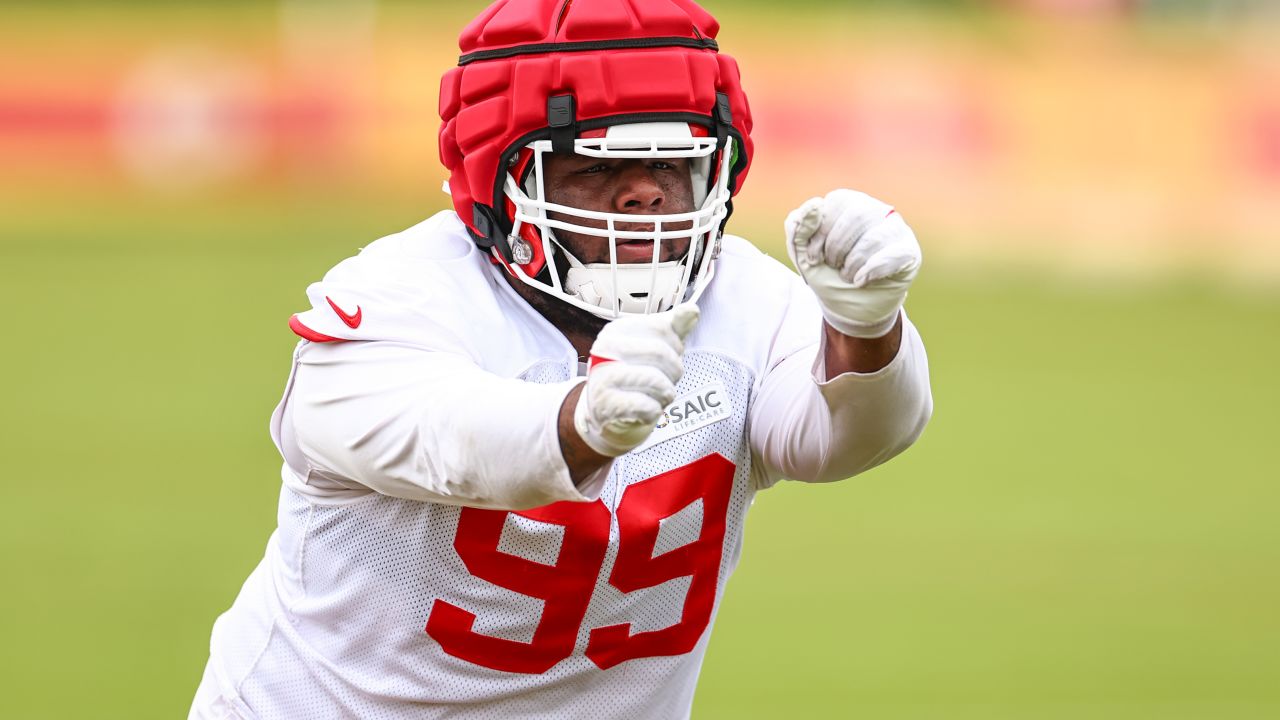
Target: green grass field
1088, 529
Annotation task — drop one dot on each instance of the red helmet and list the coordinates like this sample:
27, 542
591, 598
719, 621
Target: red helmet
606, 78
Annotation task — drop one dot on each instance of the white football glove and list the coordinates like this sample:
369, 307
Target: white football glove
859, 257
635, 365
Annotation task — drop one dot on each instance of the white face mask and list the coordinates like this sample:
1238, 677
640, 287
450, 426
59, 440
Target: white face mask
612, 289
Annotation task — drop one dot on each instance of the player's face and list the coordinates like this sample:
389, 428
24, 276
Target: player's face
634, 186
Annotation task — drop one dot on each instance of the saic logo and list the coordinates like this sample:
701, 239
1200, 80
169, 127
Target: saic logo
692, 407
691, 412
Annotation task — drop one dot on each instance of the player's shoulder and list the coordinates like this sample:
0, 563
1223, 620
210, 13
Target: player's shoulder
423, 285
438, 244
747, 303
745, 262
750, 281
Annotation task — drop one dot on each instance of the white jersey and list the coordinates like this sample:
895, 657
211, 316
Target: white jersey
433, 558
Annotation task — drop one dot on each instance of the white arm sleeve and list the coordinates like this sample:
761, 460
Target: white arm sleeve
806, 429
425, 425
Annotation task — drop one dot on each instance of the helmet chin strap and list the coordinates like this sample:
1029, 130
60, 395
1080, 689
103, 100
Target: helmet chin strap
626, 288
594, 284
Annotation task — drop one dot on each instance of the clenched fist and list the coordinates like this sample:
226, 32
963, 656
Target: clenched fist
635, 365
858, 256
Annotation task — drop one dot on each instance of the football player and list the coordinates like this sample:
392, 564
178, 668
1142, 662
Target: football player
520, 439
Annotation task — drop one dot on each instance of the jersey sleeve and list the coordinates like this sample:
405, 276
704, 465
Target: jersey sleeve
804, 427
423, 425
410, 382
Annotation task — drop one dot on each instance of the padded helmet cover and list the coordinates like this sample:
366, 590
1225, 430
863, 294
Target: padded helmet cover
617, 58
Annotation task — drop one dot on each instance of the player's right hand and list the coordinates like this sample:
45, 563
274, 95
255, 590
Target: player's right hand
634, 367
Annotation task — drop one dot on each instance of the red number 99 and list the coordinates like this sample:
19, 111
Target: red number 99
566, 587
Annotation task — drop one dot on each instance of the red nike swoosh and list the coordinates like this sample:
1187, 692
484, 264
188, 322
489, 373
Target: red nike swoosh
352, 321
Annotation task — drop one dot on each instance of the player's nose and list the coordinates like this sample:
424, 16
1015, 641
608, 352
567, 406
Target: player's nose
638, 190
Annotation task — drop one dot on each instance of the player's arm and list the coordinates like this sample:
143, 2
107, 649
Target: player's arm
433, 426
863, 396
847, 354
583, 462
425, 425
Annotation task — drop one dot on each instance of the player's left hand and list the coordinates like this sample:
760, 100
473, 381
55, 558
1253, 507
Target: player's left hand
858, 256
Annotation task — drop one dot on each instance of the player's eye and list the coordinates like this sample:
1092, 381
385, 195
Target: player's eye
669, 165
592, 169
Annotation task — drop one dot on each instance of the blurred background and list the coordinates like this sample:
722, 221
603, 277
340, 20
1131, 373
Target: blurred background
1087, 529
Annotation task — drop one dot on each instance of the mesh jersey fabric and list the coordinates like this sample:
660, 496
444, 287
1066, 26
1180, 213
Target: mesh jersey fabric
341, 603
